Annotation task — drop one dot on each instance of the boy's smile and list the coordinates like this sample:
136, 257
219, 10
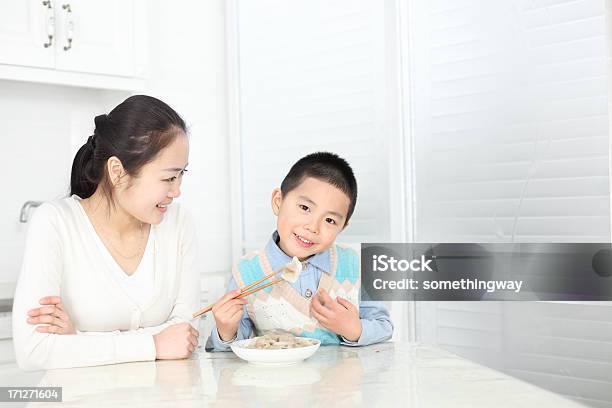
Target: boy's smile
309, 217
302, 241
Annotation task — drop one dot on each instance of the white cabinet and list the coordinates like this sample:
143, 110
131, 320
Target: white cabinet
66, 41
95, 36
23, 33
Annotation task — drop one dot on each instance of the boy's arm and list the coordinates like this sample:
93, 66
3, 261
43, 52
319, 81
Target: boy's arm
376, 325
245, 328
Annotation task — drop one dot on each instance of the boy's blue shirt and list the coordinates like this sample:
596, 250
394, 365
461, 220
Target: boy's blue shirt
376, 325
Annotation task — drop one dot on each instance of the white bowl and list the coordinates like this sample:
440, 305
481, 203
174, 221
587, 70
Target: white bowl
273, 357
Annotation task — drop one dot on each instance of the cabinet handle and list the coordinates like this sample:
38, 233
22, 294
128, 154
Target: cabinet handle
69, 26
50, 23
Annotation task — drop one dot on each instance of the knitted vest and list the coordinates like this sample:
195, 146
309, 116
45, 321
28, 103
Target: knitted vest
280, 306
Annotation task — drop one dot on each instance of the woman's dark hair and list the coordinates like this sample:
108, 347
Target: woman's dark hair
134, 132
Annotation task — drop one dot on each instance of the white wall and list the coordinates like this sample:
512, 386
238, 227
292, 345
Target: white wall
186, 69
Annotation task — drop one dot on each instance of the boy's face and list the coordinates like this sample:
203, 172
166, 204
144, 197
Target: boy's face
309, 217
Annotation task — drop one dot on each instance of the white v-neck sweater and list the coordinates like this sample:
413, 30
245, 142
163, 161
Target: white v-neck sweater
63, 259
140, 285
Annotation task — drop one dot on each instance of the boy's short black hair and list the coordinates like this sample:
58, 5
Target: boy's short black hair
327, 167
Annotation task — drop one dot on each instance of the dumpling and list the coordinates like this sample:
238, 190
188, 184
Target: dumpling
291, 271
279, 340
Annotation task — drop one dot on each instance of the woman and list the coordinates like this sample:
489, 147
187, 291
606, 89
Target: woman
109, 274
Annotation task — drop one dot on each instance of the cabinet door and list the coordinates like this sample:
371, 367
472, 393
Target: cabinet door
101, 33
23, 33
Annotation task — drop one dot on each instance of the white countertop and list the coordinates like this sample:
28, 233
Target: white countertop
389, 374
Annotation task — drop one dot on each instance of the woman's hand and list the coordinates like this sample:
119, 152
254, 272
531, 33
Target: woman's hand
228, 312
176, 341
51, 316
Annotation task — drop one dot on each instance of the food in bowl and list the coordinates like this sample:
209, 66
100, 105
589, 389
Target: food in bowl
276, 341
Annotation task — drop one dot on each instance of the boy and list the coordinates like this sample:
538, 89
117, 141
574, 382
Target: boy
313, 205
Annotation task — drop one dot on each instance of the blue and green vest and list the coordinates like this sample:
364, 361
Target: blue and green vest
280, 306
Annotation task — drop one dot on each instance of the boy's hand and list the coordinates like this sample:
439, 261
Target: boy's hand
228, 312
339, 316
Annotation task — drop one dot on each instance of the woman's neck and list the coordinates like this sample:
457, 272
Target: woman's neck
111, 217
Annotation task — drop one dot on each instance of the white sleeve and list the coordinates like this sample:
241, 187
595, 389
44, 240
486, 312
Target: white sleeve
41, 276
188, 297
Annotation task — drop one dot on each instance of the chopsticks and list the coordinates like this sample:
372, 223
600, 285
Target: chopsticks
245, 291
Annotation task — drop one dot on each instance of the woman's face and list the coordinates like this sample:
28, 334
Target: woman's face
146, 196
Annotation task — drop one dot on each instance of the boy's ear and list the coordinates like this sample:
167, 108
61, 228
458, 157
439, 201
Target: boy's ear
277, 198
